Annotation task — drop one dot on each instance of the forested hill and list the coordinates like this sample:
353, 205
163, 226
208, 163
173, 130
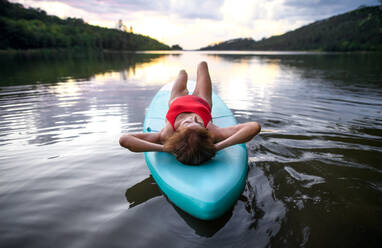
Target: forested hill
357, 30
22, 28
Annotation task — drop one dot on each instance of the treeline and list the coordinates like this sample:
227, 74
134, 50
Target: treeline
23, 28
358, 30
234, 44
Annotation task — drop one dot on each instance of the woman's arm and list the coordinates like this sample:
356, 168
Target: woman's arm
141, 142
237, 134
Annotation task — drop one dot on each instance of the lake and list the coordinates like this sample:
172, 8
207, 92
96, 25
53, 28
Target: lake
315, 170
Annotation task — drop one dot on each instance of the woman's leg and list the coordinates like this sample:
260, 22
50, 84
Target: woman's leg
203, 86
180, 86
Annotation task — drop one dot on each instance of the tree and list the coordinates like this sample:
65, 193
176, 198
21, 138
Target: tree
22, 28
176, 47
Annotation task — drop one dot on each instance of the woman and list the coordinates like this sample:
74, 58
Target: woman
189, 133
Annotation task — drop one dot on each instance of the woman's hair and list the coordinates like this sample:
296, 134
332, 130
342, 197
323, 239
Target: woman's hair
191, 146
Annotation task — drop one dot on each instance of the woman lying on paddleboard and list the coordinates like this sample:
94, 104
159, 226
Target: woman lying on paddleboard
189, 133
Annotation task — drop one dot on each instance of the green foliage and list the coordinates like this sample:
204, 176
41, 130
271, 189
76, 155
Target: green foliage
357, 30
235, 44
176, 47
23, 28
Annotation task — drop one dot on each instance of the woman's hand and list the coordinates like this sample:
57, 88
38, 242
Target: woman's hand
166, 148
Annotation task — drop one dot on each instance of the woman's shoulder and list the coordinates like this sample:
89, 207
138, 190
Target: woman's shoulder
215, 130
166, 132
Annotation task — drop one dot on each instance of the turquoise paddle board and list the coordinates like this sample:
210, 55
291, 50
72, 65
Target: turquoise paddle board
206, 191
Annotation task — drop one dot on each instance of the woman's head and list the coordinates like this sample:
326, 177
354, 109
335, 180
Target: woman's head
191, 145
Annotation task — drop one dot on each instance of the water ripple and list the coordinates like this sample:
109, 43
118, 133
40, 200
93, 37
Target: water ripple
313, 170
307, 180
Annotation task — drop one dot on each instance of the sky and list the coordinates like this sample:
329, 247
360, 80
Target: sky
198, 23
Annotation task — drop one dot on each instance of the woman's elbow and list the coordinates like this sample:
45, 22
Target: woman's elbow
124, 141
258, 127
255, 128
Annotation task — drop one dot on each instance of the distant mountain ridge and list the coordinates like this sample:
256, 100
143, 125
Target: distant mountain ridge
29, 28
357, 30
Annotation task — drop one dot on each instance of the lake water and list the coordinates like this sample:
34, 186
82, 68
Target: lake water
315, 170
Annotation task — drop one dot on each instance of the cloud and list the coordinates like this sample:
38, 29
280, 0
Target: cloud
243, 12
197, 9
182, 8
317, 9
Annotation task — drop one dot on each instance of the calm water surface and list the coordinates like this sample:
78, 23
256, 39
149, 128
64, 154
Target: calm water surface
315, 171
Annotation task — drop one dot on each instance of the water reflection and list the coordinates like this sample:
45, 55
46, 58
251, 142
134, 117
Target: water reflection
142, 192
204, 228
257, 80
315, 168
257, 198
19, 69
148, 189
57, 102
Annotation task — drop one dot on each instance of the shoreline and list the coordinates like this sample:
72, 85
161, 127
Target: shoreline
82, 51
76, 49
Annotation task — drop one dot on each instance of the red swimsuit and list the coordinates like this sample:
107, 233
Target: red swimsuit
189, 103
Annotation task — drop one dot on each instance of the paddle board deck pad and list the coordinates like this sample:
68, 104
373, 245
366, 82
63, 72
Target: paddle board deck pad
205, 191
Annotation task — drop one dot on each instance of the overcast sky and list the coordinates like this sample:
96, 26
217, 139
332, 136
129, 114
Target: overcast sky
197, 23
